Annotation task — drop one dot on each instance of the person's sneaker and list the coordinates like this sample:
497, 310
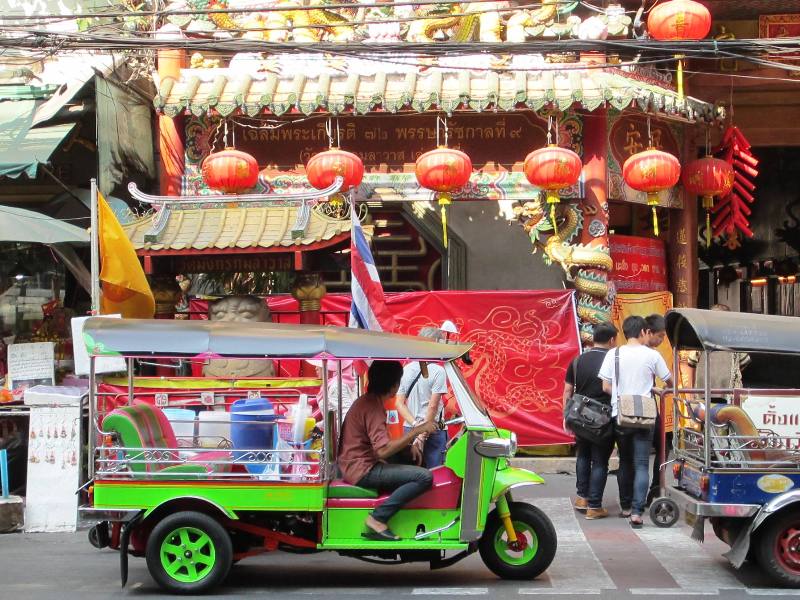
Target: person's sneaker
581, 503
596, 513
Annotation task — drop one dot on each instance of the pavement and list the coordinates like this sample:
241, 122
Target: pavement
597, 559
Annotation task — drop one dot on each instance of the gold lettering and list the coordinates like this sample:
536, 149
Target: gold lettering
632, 140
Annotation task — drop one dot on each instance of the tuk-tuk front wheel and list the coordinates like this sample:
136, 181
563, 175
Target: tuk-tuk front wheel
189, 553
528, 556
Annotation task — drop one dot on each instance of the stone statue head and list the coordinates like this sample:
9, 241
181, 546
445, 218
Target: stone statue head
239, 308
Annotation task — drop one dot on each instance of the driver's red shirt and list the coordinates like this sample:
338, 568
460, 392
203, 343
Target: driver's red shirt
363, 433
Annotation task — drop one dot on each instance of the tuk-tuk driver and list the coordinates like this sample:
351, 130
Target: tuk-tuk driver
366, 447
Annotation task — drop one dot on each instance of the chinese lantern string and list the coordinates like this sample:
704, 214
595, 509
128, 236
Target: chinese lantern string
329, 132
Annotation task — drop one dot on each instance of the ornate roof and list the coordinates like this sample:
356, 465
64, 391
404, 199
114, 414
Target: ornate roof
286, 229
363, 87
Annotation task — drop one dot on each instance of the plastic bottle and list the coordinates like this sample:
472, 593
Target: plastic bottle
302, 411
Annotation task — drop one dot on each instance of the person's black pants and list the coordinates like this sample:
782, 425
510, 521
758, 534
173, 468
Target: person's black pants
591, 469
406, 482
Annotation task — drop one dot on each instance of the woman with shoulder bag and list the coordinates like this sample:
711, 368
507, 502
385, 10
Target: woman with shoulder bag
592, 453
628, 374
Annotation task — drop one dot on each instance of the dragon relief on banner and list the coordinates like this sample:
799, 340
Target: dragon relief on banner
587, 266
512, 348
330, 21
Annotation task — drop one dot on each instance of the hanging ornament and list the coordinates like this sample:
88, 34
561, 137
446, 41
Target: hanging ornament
443, 170
323, 168
731, 212
708, 177
230, 171
553, 168
679, 20
651, 172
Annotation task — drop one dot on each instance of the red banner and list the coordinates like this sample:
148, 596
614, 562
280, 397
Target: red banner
524, 341
640, 264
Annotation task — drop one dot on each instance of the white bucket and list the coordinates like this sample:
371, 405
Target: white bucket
182, 421
214, 429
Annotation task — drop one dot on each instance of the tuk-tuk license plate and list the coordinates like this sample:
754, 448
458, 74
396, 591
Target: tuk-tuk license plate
690, 518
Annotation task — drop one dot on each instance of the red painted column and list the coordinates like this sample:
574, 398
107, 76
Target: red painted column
170, 136
683, 258
591, 280
309, 290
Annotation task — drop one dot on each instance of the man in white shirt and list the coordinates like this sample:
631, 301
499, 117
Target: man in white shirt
420, 399
638, 367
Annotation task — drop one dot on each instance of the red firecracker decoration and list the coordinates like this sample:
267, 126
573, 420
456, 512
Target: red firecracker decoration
443, 170
731, 212
553, 168
325, 167
651, 172
230, 171
708, 177
679, 20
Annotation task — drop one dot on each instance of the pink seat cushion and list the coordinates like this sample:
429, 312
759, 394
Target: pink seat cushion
444, 494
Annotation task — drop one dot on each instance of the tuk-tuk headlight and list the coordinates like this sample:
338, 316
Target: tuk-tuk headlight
496, 448
513, 445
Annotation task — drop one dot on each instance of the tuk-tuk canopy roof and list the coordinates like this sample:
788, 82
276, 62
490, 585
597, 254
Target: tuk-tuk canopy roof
695, 329
137, 337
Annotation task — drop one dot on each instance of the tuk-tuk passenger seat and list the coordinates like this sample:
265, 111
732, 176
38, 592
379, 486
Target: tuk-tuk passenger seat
444, 494
146, 426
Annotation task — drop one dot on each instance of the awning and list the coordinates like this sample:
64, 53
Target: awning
337, 91
260, 228
23, 149
19, 225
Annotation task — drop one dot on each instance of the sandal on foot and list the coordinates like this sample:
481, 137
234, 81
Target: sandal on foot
636, 522
625, 513
387, 535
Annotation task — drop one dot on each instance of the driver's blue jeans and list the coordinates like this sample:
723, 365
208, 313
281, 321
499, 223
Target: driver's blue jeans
406, 482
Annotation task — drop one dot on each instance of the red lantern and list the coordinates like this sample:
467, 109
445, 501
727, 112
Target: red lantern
443, 170
230, 171
326, 166
551, 169
708, 177
679, 20
651, 171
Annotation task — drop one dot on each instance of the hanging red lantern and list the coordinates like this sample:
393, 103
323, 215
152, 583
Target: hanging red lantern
443, 170
325, 167
651, 172
679, 20
553, 168
708, 177
230, 171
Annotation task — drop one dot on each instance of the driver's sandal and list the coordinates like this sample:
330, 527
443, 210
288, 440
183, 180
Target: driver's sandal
387, 535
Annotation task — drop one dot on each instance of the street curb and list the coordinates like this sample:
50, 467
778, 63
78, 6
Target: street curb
552, 465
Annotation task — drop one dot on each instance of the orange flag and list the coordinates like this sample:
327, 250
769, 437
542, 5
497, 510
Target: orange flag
125, 287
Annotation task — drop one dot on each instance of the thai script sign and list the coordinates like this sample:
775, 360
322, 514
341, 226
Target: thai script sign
640, 264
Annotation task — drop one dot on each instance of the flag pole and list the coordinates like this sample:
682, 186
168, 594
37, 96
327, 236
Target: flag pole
95, 249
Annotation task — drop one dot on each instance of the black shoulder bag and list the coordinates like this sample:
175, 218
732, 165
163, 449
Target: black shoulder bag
587, 418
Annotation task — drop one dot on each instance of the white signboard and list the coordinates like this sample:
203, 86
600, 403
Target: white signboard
31, 364
780, 414
112, 364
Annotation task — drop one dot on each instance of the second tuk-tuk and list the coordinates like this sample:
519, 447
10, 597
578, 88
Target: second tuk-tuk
742, 477
192, 499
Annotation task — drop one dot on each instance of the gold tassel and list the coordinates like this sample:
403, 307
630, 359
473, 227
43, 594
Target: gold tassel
444, 200
552, 200
679, 76
708, 204
655, 220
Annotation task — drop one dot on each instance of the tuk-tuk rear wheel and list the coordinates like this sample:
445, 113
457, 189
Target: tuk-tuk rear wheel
530, 555
188, 553
778, 548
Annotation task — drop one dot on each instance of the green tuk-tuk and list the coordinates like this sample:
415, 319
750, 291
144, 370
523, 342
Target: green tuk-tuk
180, 474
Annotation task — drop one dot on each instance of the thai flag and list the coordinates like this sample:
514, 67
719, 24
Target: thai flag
368, 304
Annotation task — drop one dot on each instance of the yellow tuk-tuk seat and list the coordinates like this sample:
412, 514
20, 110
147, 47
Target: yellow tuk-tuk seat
339, 488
